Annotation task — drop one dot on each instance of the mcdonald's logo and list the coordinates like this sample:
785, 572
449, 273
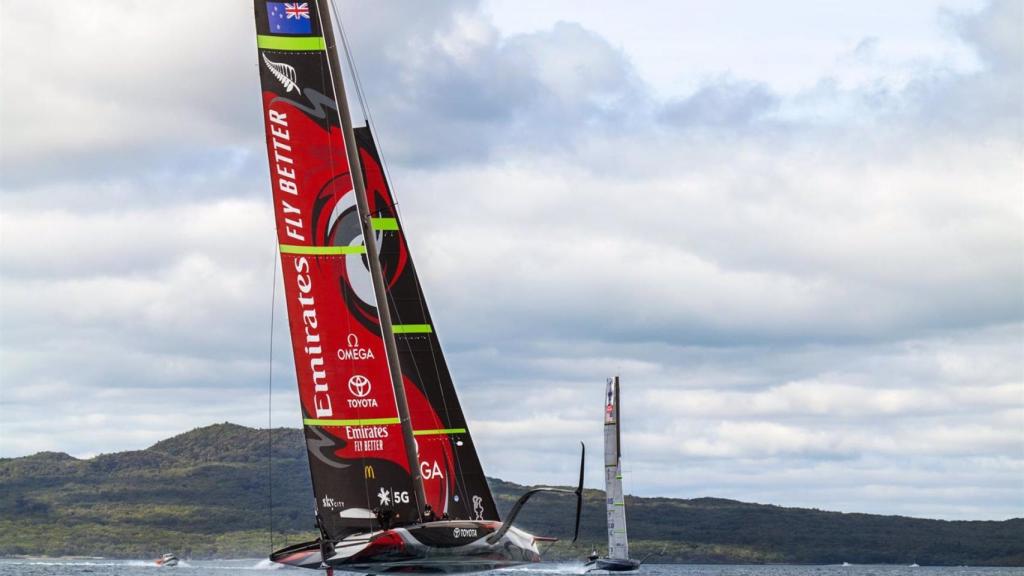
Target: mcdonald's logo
368, 472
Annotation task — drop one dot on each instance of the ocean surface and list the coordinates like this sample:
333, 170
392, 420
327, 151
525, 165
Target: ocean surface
100, 567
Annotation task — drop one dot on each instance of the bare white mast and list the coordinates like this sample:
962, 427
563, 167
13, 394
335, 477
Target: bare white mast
618, 546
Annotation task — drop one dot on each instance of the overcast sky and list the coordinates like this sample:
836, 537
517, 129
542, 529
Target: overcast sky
796, 229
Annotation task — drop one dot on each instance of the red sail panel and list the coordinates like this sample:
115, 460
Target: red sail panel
355, 446
453, 477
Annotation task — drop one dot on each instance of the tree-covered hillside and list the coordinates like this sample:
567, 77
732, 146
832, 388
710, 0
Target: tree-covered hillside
205, 493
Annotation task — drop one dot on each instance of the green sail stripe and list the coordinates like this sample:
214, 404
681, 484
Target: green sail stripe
322, 250
384, 223
291, 43
439, 432
412, 329
356, 422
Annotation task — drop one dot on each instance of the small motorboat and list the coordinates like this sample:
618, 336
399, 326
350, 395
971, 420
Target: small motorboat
167, 560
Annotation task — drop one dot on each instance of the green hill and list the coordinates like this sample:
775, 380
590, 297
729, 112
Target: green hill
205, 493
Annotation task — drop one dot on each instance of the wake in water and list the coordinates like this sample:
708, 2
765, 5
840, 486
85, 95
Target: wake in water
233, 565
153, 564
99, 562
545, 568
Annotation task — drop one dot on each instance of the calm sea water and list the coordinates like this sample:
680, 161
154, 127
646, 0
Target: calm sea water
255, 567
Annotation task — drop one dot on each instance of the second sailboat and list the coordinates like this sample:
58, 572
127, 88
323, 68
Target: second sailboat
618, 559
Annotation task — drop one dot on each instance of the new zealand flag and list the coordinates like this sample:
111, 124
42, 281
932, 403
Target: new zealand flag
289, 18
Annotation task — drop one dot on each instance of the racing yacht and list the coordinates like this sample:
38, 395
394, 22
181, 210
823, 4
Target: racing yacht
397, 482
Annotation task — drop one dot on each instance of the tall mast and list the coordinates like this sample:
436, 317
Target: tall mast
373, 257
618, 422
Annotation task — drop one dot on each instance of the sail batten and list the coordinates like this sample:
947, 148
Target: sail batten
322, 250
291, 43
363, 422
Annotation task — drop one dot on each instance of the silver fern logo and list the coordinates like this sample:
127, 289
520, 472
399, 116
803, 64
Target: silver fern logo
284, 73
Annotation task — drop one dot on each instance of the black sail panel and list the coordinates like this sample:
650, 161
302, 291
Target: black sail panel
452, 474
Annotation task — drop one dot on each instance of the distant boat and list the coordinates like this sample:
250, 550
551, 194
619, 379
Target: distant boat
167, 560
618, 559
915, 565
846, 564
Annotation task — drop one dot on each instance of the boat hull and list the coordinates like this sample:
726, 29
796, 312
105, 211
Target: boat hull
444, 547
614, 564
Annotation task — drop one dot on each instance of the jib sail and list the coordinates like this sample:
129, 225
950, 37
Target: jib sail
452, 475
353, 433
618, 547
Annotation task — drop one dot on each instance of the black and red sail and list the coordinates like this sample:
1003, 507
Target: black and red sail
354, 436
452, 474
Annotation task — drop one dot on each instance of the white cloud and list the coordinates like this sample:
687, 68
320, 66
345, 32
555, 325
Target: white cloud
130, 80
741, 241
808, 275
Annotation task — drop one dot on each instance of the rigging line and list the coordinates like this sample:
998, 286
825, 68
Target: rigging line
331, 166
363, 103
270, 402
361, 97
336, 23
439, 380
351, 62
390, 183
